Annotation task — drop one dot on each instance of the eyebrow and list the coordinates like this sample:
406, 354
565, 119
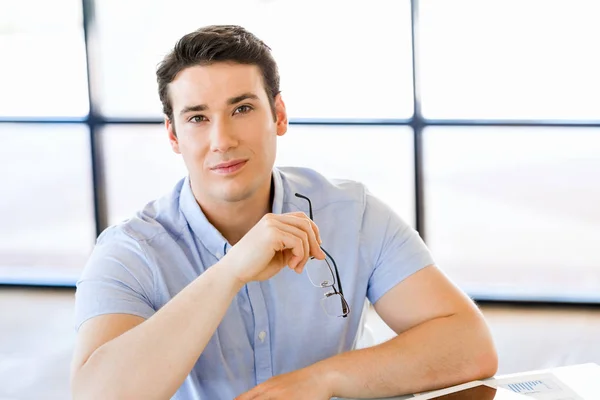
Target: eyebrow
242, 97
231, 101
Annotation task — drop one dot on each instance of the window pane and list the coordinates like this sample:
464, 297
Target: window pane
44, 73
47, 204
515, 210
140, 167
136, 177
509, 59
355, 66
381, 157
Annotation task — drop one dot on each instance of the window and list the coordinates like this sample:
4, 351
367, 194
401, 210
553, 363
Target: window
43, 72
509, 205
514, 211
140, 167
381, 157
509, 59
46, 208
337, 58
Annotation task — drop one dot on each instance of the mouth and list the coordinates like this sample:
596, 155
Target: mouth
229, 167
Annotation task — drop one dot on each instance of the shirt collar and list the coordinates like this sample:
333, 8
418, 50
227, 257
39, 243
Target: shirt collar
212, 239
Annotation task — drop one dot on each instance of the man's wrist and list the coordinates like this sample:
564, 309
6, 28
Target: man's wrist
328, 376
226, 274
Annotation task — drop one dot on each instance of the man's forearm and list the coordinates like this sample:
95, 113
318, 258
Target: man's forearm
153, 359
438, 353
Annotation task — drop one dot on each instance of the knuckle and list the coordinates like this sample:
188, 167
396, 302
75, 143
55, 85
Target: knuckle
304, 236
268, 217
301, 215
269, 220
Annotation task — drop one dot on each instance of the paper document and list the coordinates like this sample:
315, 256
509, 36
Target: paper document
539, 387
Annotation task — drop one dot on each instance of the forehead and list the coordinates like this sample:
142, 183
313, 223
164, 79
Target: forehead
215, 83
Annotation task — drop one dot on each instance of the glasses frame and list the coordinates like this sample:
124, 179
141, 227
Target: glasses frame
336, 275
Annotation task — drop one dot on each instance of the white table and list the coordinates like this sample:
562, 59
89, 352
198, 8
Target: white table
584, 379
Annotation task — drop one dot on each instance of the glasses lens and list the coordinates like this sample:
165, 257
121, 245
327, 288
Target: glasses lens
319, 272
335, 305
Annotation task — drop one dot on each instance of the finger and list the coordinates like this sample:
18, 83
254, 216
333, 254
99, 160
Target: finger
300, 234
253, 393
301, 221
283, 240
296, 224
314, 226
246, 396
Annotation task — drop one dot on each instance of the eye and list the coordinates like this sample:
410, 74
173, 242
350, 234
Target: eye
197, 119
243, 109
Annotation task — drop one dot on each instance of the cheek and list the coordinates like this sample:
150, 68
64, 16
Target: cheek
268, 155
263, 147
272, 146
193, 152
268, 138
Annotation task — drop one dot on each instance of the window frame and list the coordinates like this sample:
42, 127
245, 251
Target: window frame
95, 121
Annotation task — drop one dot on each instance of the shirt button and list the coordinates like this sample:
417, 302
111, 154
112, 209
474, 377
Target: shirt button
219, 255
262, 336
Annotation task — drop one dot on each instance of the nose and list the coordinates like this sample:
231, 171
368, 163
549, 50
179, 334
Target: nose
222, 137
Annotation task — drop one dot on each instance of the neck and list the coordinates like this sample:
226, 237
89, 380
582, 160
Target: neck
234, 219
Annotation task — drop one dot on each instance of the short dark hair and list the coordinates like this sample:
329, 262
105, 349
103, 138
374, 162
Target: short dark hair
212, 44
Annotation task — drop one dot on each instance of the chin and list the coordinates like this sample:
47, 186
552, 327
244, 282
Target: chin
234, 197
237, 188
233, 193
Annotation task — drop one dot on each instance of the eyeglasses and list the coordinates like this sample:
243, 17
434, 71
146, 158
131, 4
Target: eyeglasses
321, 275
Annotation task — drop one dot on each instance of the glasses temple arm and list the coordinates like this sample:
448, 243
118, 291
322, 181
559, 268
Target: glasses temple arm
339, 282
337, 274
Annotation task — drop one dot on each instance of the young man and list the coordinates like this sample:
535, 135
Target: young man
215, 291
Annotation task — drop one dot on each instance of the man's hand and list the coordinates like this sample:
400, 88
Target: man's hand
275, 241
304, 384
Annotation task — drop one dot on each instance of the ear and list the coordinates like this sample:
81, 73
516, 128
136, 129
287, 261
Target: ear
281, 114
172, 135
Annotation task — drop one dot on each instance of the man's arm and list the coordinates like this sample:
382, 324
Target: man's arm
121, 356
442, 340
124, 356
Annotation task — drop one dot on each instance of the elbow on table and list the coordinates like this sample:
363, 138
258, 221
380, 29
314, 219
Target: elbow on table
484, 362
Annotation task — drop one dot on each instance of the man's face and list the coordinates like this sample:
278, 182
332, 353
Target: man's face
224, 129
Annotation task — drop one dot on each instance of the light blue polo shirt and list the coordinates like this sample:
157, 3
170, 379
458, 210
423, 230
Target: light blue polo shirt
271, 327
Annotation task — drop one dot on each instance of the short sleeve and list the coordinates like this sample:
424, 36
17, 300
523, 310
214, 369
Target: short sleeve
397, 249
116, 279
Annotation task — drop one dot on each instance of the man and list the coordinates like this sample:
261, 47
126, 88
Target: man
215, 290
